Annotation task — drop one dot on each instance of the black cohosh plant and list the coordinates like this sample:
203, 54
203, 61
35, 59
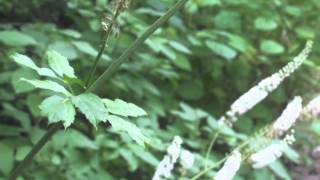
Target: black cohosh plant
60, 108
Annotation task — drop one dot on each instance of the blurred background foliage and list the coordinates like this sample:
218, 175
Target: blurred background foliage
186, 76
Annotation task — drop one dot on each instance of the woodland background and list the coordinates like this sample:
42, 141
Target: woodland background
186, 76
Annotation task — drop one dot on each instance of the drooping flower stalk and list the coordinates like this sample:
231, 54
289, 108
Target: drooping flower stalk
271, 153
166, 166
288, 117
259, 92
230, 167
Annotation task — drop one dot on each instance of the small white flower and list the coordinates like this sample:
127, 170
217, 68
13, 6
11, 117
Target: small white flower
288, 116
230, 167
186, 159
248, 100
166, 166
267, 155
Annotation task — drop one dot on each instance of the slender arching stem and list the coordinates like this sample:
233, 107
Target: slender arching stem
105, 38
35, 149
135, 45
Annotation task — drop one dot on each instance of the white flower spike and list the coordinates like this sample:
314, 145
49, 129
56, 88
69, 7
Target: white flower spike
230, 167
259, 92
288, 116
165, 167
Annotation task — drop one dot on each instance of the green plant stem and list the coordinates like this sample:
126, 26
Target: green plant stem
103, 46
213, 140
36, 148
134, 46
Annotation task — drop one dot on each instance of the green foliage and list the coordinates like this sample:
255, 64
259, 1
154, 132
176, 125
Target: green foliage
92, 107
57, 109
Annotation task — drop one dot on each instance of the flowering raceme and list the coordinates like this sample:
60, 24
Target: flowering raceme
167, 164
269, 154
288, 116
230, 167
259, 92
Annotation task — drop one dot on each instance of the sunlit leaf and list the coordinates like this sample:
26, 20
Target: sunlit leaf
57, 109
60, 64
122, 108
49, 85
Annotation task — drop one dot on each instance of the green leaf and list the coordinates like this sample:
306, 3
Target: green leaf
119, 124
280, 170
92, 107
22, 152
122, 108
49, 85
16, 39
227, 19
144, 155
221, 50
180, 47
182, 62
130, 158
265, 24
271, 47
60, 64
85, 47
58, 109
27, 62
21, 86
7, 158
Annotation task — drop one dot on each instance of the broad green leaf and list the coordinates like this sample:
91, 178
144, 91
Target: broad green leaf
271, 47
144, 155
6, 157
26, 61
180, 47
221, 50
22, 152
85, 47
265, 24
49, 85
60, 64
130, 158
227, 19
280, 170
119, 124
58, 109
21, 86
65, 49
122, 108
16, 38
92, 107
182, 62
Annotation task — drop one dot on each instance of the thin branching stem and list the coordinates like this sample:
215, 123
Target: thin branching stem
36, 148
213, 140
135, 45
105, 38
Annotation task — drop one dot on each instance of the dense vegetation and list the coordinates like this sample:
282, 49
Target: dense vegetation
185, 76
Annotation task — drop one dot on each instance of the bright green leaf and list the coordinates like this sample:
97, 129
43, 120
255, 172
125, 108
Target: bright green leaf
221, 50
26, 61
16, 38
119, 124
271, 47
6, 157
92, 107
122, 108
58, 109
180, 47
60, 64
22, 152
49, 85
265, 24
